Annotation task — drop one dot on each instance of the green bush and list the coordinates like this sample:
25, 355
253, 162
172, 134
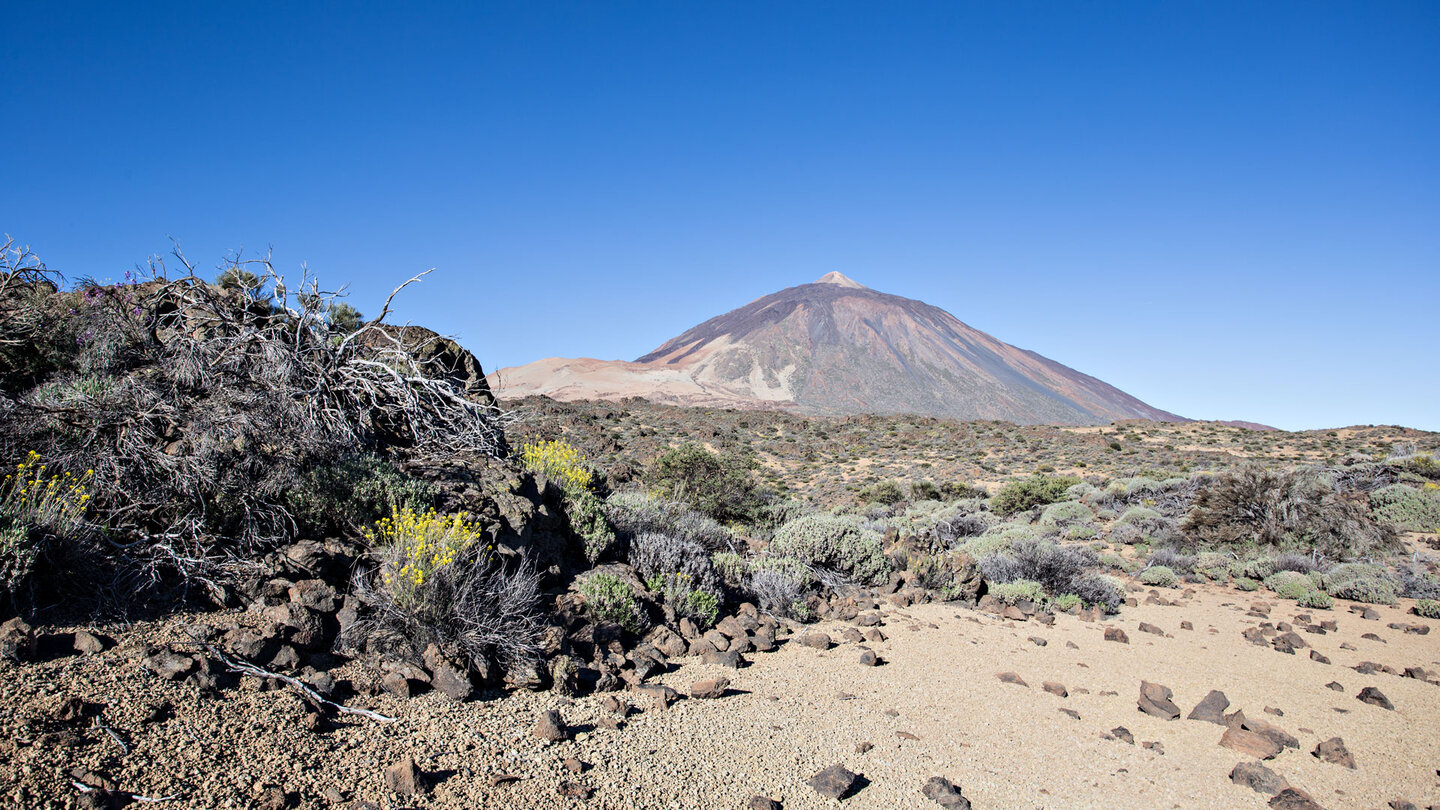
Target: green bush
612, 600
1427, 608
345, 497
999, 538
1012, 592
561, 463
1065, 602
836, 543
680, 592
1027, 493
924, 491
1254, 568
1362, 582
1289, 584
1247, 584
886, 492
1066, 515
1408, 508
1317, 600
587, 519
718, 486
1160, 576
731, 567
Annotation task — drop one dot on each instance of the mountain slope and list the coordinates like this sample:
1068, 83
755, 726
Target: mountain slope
837, 347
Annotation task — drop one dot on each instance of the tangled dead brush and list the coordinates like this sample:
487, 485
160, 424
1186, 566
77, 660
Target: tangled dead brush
201, 408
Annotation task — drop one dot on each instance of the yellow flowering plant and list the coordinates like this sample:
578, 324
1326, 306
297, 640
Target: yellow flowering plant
421, 543
30, 495
559, 461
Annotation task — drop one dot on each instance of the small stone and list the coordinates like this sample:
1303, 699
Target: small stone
1038, 641
816, 640
170, 665
1116, 634
1258, 778
1146, 627
1155, 701
87, 643
498, 779
1335, 686
710, 688
551, 727
1186, 626
574, 765
1071, 713
834, 782
1011, 677
448, 676
1123, 734
867, 657
1318, 658
1154, 745
575, 790
403, 777
1057, 689
1211, 709
863, 747
396, 684
17, 640
1294, 799
758, 802
1402, 804
1375, 697
944, 793
1334, 751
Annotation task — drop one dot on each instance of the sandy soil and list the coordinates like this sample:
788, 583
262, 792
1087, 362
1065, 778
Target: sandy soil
787, 716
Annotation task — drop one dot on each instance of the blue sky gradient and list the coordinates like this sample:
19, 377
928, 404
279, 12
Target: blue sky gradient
1229, 210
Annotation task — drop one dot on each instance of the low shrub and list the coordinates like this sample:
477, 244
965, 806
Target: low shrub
1027, 493
355, 492
718, 486
612, 600
440, 583
635, 513
731, 567
1021, 589
1148, 521
1177, 561
1125, 534
1253, 568
1416, 584
561, 463
886, 492
653, 554
1159, 576
1291, 561
780, 590
679, 591
1289, 584
834, 543
1247, 584
962, 491
1316, 600
1066, 514
998, 538
1065, 602
1362, 582
1407, 508
1055, 567
1427, 608
1101, 590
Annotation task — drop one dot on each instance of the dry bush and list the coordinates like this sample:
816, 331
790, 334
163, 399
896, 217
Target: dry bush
1285, 510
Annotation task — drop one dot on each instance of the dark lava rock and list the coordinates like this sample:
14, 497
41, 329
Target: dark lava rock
834, 782
944, 793
1375, 697
1258, 778
710, 688
1116, 634
404, 777
551, 727
1294, 799
1334, 751
1155, 701
1211, 709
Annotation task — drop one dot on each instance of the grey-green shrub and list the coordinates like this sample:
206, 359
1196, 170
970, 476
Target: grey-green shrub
1318, 600
1160, 576
1247, 584
1289, 584
1254, 568
612, 600
1061, 516
1407, 508
835, 543
1362, 582
1428, 608
1026, 493
1104, 591
1012, 592
635, 513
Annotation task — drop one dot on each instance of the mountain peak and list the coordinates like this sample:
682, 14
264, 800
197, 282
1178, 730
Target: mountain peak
837, 277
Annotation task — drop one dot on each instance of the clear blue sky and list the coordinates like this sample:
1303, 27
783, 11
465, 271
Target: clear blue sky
1230, 210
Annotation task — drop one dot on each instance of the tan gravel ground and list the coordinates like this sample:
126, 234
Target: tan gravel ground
787, 716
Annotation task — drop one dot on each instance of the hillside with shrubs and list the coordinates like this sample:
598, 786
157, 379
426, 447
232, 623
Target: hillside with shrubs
371, 521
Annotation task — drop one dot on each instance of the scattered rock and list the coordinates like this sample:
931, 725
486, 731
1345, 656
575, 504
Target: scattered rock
87, 643
447, 676
1318, 658
1146, 627
1123, 734
863, 747
1155, 701
1294, 799
17, 640
575, 790
1211, 709
1011, 677
551, 727
710, 688
1071, 713
1375, 697
1250, 743
403, 777
1116, 634
1334, 751
758, 802
1258, 778
170, 665
1154, 745
1335, 686
816, 640
944, 793
834, 782
1055, 688
867, 657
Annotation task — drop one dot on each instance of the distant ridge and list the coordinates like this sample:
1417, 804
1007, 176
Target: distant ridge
838, 347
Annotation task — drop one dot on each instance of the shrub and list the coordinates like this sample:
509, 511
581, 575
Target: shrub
836, 543
654, 554
1247, 584
1253, 568
352, 494
1098, 589
1126, 534
924, 491
998, 538
1027, 493
1212, 565
1290, 561
1407, 508
962, 491
780, 589
42, 516
1159, 576
718, 486
1055, 567
612, 600
1293, 510
635, 513
679, 591
1362, 582
1427, 608
732, 568
1177, 561
561, 463
886, 492
1115, 562
1416, 584
1021, 589
1289, 584
1317, 600
440, 583
1065, 602
1148, 521
1066, 514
